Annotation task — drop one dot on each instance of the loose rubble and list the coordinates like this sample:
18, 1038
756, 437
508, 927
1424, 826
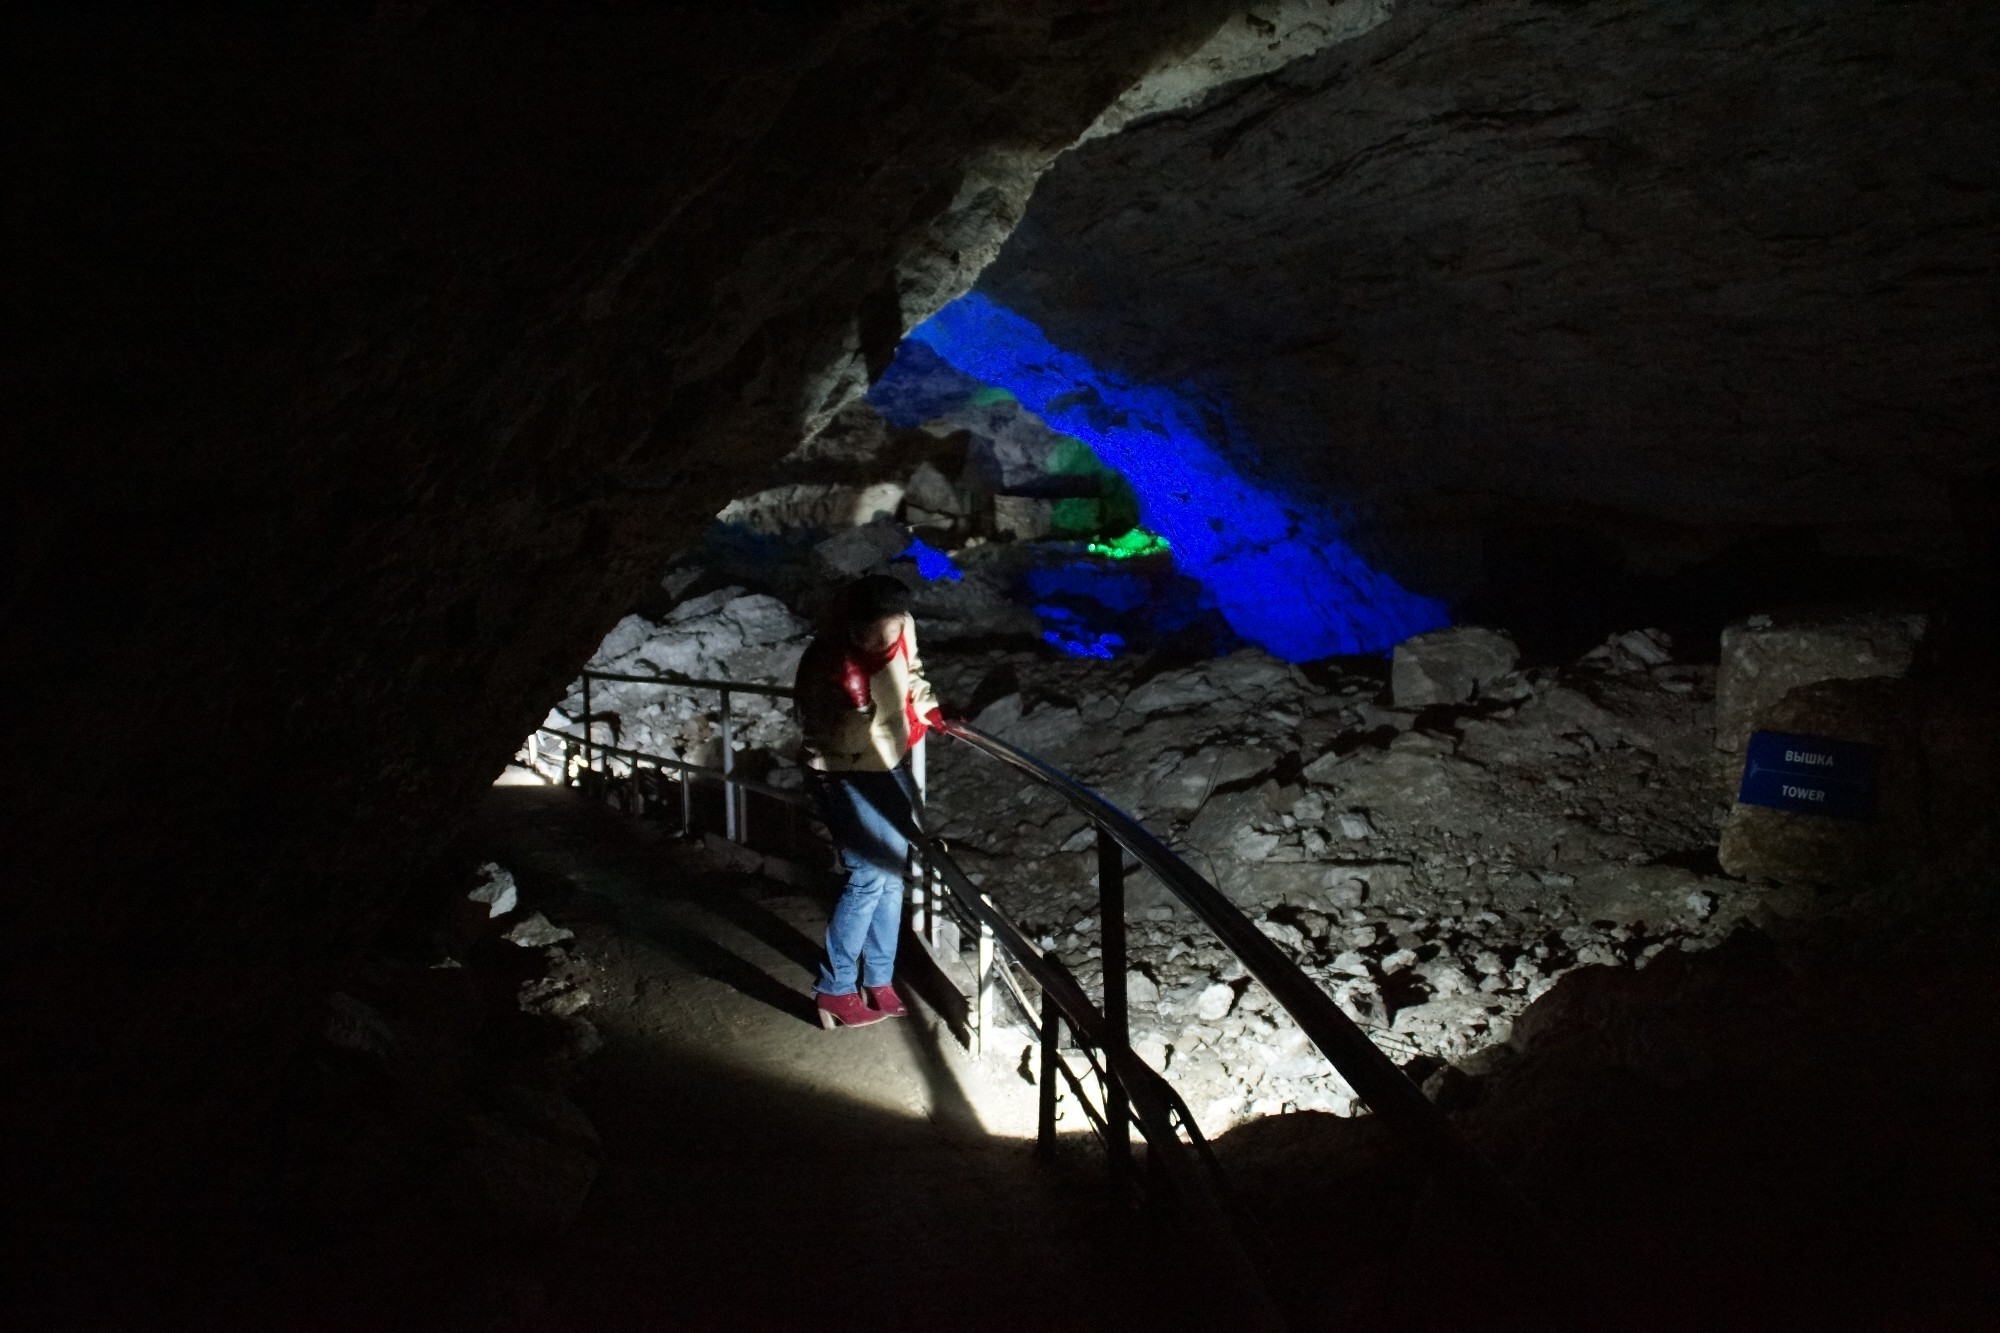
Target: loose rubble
1449, 666
1436, 870
440, 1095
1435, 867
727, 634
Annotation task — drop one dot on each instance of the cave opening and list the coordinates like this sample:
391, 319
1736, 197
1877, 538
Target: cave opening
1473, 479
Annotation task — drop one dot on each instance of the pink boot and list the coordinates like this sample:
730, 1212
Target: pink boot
846, 1011
887, 1003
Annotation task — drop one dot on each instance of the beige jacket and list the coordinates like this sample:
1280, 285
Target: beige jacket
843, 738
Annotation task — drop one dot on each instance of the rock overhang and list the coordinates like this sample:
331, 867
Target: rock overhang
1678, 278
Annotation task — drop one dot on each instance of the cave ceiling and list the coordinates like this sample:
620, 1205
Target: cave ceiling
379, 358
1676, 270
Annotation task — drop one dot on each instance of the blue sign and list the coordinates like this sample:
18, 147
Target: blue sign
1810, 775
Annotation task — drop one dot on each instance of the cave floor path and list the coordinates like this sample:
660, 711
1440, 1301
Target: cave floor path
760, 1173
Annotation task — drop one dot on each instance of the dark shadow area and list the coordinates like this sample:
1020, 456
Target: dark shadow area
1721, 1141
951, 1111
731, 898
1562, 589
640, 884
740, 1189
918, 972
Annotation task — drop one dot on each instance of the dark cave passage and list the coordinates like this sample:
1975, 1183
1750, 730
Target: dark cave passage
1504, 491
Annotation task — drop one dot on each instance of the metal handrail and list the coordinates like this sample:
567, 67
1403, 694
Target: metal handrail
1135, 1091
681, 765
1189, 1169
1373, 1076
692, 683
732, 813
1157, 1105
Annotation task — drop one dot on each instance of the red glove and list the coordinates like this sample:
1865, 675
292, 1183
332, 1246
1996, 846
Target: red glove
854, 680
935, 719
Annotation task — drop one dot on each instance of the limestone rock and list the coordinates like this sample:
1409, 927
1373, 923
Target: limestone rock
1766, 657
1047, 731
1325, 769
1660, 897
930, 491
810, 507
1215, 829
1172, 691
1249, 675
1023, 517
1793, 848
1355, 827
1449, 666
537, 932
1215, 1002
1403, 784
1181, 784
1242, 763
1263, 38
858, 551
1560, 711
1634, 650
999, 715
496, 890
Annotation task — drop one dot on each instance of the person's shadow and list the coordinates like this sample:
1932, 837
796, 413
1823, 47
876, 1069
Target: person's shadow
712, 960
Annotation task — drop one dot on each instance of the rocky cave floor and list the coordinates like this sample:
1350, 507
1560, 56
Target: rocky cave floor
1436, 868
582, 1087
1739, 1104
1735, 1105
587, 1093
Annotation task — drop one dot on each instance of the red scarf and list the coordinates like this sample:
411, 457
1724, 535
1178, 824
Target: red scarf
858, 668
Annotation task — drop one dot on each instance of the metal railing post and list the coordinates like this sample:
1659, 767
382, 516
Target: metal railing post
1387, 1090
1117, 1017
588, 761
982, 988
926, 892
728, 767
924, 902
1045, 1121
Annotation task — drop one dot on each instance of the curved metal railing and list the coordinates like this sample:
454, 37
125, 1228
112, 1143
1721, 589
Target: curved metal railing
1132, 1091
1374, 1077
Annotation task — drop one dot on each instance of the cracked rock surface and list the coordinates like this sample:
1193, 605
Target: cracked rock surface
1657, 268
1434, 870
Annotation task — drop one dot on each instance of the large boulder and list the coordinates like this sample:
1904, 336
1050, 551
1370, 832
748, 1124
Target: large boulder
813, 506
858, 551
1790, 847
1023, 517
930, 499
1449, 666
1766, 657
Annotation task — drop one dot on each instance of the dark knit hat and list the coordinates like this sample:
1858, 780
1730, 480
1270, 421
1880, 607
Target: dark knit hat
876, 597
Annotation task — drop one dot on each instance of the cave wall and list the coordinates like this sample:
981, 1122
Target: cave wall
375, 366
371, 365
1679, 277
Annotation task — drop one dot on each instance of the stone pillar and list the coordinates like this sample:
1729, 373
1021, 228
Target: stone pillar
1841, 676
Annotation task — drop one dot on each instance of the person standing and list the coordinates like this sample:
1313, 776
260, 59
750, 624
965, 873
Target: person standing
863, 704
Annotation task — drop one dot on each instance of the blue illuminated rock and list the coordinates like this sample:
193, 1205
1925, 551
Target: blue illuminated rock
1275, 563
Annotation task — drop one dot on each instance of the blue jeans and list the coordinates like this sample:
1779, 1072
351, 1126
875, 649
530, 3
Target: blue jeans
870, 817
